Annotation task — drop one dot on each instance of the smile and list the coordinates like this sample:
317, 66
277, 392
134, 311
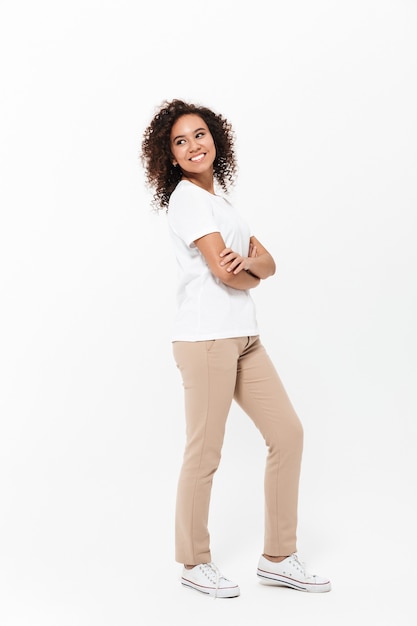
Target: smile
198, 158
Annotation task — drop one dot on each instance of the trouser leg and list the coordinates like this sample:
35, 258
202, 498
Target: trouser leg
260, 393
208, 370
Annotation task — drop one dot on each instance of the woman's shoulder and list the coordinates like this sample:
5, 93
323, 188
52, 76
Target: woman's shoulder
181, 191
186, 192
185, 188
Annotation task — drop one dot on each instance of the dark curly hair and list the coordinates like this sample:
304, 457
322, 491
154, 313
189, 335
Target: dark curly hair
156, 156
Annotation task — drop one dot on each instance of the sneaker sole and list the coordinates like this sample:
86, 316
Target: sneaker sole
268, 578
230, 592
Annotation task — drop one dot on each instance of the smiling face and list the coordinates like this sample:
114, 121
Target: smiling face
192, 146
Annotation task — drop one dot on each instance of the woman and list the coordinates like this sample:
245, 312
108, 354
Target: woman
188, 155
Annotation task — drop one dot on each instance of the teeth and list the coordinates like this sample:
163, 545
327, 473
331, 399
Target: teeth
197, 158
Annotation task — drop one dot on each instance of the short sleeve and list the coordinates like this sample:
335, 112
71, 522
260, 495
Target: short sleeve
190, 214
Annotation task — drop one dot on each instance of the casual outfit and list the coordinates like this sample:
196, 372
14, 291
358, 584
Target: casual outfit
220, 356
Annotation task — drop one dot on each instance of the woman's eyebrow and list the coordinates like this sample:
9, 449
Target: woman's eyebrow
192, 132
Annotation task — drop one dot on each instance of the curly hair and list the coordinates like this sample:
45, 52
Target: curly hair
156, 156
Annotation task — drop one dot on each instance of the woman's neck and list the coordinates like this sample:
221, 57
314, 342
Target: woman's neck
205, 182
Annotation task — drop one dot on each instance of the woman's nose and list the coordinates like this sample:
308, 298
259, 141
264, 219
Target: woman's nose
194, 145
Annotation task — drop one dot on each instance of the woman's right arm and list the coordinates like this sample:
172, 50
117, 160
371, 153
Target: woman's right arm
211, 246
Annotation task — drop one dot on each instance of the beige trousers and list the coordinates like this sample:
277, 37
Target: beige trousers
214, 373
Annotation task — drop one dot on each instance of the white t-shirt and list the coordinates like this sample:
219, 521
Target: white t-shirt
207, 308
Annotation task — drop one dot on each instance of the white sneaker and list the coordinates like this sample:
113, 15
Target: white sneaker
207, 578
291, 573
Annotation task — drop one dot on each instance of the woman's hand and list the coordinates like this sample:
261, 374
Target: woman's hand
259, 263
235, 262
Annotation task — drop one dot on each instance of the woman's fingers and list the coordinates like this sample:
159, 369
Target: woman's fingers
234, 261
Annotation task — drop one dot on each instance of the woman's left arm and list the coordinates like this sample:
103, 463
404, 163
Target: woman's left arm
259, 261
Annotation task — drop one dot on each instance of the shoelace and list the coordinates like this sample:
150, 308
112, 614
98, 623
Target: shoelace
300, 563
302, 567
210, 569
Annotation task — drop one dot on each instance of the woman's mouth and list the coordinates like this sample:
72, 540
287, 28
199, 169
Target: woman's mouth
198, 158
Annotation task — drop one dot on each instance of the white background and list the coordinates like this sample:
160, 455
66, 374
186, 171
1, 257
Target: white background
323, 98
